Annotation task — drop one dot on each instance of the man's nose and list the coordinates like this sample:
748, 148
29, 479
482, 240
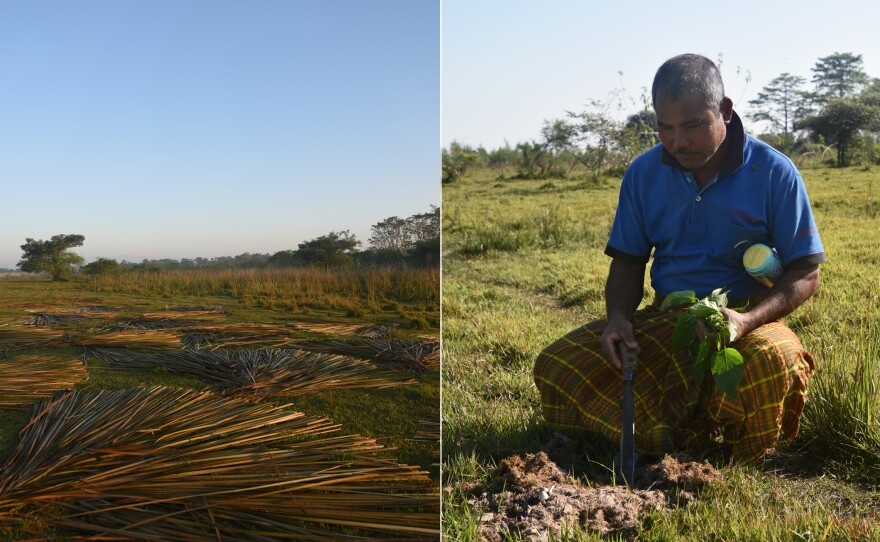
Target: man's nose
679, 140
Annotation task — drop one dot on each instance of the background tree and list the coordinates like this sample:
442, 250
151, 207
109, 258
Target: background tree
101, 266
390, 234
781, 103
332, 250
838, 76
424, 226
456, 161
52, 256
840, 122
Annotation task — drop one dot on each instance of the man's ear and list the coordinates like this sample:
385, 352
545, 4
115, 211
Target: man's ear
727, 109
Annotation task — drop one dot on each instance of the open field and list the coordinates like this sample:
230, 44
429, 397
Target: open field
523, 265
229, 405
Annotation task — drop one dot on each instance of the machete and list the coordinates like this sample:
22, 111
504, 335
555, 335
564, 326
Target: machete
627, 429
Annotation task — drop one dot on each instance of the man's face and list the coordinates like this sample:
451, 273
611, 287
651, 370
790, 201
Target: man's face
692, 132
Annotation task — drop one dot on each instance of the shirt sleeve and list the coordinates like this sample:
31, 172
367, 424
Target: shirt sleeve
793, 227
629, 239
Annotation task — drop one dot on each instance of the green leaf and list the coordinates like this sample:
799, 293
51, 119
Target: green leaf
719, 297
727, 370
702, 311
682, 297
701, 362
684, 333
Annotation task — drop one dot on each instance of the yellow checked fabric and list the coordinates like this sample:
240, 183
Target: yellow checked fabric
580, 388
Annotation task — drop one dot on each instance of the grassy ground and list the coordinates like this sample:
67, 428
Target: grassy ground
523, 265
393, 415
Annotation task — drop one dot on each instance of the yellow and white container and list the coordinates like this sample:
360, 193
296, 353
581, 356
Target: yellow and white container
763, 264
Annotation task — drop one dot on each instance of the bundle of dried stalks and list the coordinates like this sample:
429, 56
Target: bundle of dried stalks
93, 310
201, 315
12, 339
201, 309
148, 323
237, 335
24, 379
46, 318
163, 464
428, 431
157, 338
408, 353
373, 331
261, 373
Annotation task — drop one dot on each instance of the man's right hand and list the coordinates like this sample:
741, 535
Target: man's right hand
617, 330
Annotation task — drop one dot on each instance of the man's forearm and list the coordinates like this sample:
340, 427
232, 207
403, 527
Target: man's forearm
624, 289
793, 288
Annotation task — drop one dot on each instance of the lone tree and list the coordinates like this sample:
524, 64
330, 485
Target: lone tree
52, 256
838, 76
781, 103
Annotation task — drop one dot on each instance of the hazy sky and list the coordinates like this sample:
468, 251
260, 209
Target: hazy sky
508, 65
169, 128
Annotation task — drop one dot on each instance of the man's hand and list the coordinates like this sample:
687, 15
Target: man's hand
623, 293
617, 330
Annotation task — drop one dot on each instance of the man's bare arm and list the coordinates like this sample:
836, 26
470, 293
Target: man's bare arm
623, 293
790, 291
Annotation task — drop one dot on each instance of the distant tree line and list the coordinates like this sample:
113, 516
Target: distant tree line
411, 241
837, 119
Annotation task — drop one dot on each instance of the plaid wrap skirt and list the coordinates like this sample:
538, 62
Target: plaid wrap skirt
580, 388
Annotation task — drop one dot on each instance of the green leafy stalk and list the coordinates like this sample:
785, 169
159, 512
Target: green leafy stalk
712, 354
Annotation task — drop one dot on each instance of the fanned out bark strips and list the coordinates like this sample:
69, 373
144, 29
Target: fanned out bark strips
373, 331
164, 464
155, 338
32, 337
25, 379
262, 373
406, 353
237, 335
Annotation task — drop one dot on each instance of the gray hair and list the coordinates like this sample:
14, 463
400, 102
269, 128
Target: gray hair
688, 76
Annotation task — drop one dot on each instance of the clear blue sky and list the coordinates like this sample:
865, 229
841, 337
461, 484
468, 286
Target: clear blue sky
170, 129
510, 64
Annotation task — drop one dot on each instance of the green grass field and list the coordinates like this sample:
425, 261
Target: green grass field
401, 419
523, 264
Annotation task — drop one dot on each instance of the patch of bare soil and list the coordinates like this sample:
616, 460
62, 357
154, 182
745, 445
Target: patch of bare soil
534, 498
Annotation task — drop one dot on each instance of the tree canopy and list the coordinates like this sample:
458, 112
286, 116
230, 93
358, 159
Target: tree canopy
53, 256
840, 121
838, 76
781, 102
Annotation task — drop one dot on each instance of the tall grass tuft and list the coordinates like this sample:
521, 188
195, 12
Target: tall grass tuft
840, 420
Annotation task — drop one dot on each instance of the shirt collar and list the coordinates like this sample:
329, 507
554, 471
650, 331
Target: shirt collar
736, 138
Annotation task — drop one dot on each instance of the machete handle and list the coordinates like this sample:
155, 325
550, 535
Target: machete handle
627, 360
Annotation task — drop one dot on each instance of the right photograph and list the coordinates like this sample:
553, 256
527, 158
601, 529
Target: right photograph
660, 286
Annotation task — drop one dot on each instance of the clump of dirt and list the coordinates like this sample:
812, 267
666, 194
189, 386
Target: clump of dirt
532, 497
680, 471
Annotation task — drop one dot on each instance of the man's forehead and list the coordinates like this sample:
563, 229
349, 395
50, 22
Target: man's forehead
691, 107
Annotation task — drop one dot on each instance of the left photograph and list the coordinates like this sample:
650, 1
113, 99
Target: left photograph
220, 270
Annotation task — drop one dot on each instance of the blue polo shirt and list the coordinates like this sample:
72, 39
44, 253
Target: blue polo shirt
698, 236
